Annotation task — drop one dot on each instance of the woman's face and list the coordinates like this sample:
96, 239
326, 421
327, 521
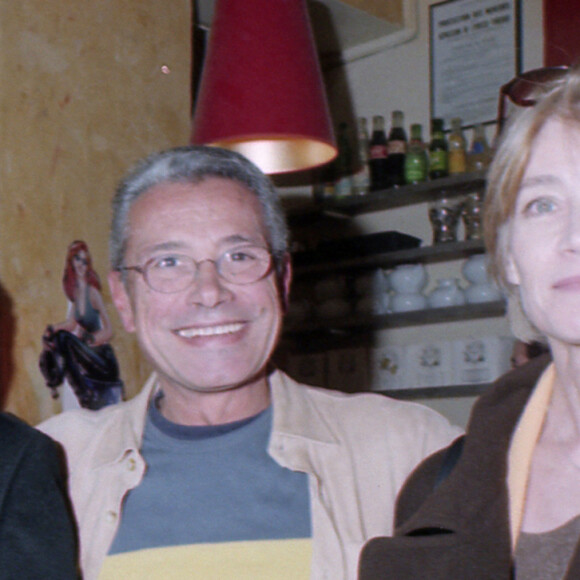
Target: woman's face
543, 236
80, 262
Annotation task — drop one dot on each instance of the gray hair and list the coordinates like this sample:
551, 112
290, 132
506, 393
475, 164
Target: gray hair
193, 164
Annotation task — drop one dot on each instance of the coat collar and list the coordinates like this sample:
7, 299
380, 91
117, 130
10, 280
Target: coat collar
298, 425
295, 420
126, 424
476, 489
524, 441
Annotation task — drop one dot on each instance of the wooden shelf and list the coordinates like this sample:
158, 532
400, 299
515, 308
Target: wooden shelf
425, 255
356, 331
394, 197
352, 324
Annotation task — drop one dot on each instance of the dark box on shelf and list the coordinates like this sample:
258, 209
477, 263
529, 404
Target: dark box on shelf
358, 246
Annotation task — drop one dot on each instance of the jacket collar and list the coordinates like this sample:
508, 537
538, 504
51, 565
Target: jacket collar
295, 421
477, 486
297, 425
295, 415
127, 424
523, 443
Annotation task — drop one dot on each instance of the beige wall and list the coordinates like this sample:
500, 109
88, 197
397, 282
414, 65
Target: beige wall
83, 96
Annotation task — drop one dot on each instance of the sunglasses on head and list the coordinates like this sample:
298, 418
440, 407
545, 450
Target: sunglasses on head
522, 90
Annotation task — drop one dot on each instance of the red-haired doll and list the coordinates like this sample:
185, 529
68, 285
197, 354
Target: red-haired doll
77, 349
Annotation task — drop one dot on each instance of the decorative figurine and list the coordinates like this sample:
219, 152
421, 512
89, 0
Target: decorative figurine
77, 349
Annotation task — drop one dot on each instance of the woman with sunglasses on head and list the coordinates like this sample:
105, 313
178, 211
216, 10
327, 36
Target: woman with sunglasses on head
77, 349
507, 504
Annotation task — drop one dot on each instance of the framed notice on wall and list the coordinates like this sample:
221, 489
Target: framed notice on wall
475, 49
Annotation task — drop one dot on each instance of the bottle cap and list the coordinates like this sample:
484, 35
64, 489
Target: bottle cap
398, 117
437, 124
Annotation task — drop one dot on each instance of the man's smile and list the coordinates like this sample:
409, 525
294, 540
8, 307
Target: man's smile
217, 330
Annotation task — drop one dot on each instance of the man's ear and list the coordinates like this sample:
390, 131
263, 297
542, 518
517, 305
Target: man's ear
286, 282
122, 300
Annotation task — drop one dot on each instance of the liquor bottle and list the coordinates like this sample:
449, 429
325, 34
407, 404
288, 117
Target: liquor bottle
396, 149
438, 151
479, 155
416, 162
361, 180
378, 154
457, 148
343, 184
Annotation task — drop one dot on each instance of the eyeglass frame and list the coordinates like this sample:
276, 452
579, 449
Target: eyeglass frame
526, 83
143, 270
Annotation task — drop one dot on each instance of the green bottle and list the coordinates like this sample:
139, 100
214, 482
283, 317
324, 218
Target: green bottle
438, 151
416, 162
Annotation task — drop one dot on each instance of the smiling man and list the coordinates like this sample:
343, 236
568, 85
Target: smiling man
223, 466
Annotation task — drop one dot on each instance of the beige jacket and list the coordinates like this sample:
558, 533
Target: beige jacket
357, 449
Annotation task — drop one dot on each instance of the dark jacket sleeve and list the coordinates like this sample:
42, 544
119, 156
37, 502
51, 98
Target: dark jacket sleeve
426, 478
37, 532
460, 528
437, 547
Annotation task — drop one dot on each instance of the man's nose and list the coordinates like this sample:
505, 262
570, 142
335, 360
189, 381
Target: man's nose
208, 287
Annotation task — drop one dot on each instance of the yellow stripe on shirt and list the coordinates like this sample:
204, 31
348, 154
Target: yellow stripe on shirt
252, 560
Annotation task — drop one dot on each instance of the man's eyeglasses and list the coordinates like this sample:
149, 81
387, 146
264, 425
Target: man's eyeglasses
524, 89
170, 273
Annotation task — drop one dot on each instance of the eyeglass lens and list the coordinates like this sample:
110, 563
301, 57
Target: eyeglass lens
176, 273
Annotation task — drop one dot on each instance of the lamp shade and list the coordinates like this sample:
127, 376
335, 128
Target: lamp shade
261, 91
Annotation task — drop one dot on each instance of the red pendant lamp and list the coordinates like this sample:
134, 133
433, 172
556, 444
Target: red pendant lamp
261, 92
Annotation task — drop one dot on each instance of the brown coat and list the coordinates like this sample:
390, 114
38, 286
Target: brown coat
461, 530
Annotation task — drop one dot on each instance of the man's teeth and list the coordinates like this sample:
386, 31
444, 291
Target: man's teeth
210, 330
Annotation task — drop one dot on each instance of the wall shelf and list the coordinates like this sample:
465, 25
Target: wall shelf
349, 255
394, 197
354, 323
310, 263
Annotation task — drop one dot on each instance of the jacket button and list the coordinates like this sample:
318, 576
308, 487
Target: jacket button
111, 516
132, 464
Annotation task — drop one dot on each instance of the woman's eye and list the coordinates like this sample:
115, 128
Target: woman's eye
540, 206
